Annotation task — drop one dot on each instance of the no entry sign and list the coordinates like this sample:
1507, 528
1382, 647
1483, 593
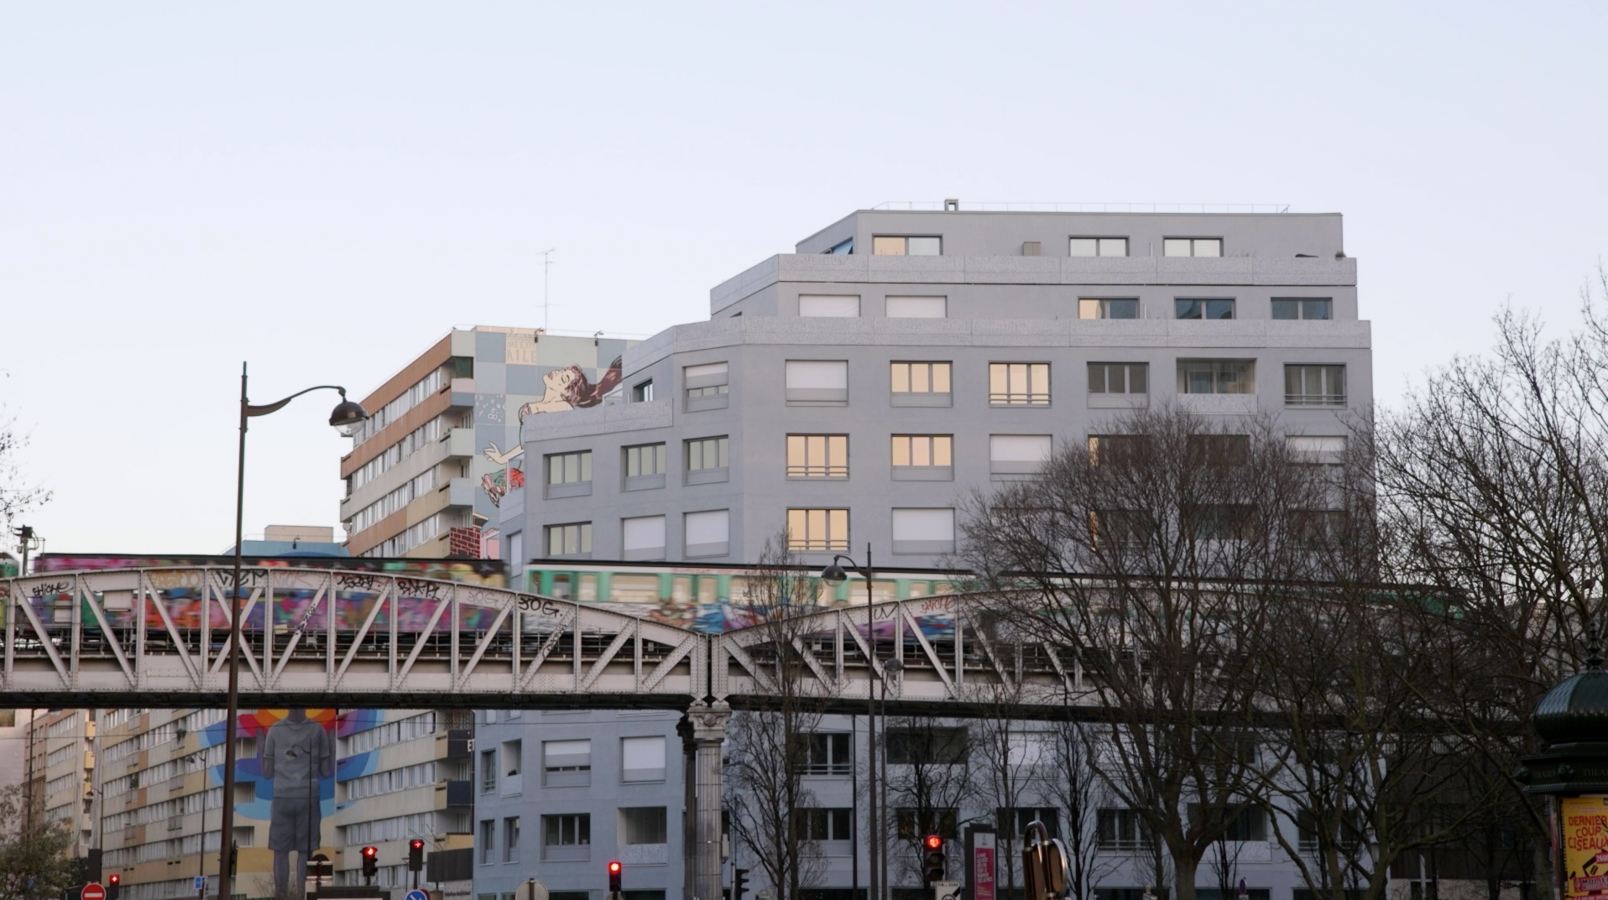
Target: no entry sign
93, 891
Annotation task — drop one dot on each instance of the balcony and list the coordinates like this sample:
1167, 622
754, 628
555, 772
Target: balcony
460, 795
460, 744
513, 785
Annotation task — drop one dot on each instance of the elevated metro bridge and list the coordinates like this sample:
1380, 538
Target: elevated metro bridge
339, 638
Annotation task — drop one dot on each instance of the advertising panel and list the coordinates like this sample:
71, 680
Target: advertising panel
1585, 846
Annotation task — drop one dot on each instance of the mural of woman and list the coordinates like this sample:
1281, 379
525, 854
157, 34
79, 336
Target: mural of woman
569, 388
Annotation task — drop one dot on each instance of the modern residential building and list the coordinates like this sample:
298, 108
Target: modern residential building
62, 769
852, 391
442, 450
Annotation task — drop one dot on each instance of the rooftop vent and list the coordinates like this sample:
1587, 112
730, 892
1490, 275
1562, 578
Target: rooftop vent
951, 205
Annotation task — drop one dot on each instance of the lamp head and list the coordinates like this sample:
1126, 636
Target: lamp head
833, 574
347, 413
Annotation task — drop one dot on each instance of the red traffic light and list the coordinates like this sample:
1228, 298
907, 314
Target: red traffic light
934, 842
114, 879
371, 851
416, 844
614, 867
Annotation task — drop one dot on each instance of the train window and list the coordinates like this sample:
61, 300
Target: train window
634, 589
681, 588
588, 589
708, 590
561, 586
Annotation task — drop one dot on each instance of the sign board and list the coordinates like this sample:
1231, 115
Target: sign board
527, 890
946, 890
981, 864
1585, 845
201, 880
93, 891
417, 895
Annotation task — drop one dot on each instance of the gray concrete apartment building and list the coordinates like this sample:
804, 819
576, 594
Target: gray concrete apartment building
851, 391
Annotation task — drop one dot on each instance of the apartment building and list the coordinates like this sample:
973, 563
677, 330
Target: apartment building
851, 391
61, 768
442, 451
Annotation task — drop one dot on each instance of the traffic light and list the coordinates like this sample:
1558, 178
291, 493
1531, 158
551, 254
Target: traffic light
415, 855
932, 860
234, 858
739, 883
114, 884
371, 862
614, 876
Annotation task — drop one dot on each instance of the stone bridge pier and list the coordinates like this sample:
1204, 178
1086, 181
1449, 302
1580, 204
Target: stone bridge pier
702, 741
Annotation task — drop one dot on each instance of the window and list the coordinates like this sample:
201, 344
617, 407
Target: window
1092, 308
569, 540
1116, 449
1218, 449
642, 759
1128, 529
926, 746
1316, 451
824, 824
913, 824
917, 307
569, 468
920, 384
643, 825
1314, 385
488, 771
511, 839
924, 531
1352, 829
706, 386
1019, 384
1315, 528
707, 533
828, 754
1121, 829
1119, 378
1203, 309
900, 245
644, 467
1013, 821
567, 763
706, 460
1017, 454
842, 248
818, 382
923, 451
1240, 823
828, 306
563, 836
1192, 247
642, 537
642, 392
817, 456
1220, 521
1097, 246
1303, 308
1217, 376
817, 529
488, 840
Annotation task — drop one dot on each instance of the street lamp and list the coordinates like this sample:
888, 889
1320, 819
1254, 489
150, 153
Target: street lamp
835, 575
345, 414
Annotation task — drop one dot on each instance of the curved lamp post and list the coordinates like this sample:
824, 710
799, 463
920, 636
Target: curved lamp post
835, 575
345, 414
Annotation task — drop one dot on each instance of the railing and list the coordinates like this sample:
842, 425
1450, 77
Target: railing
818, 470
1314, 399
1019, 398
1042, 206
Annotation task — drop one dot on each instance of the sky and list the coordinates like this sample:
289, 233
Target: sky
324, 190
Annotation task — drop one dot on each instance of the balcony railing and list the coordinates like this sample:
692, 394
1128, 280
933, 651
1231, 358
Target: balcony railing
1314, 399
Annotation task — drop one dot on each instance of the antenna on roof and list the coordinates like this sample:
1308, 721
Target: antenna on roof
547, 263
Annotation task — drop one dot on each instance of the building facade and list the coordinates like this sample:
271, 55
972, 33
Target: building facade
851, 392
429, 470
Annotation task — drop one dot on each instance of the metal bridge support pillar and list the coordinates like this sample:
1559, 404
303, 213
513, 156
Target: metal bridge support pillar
689, 820
708, 733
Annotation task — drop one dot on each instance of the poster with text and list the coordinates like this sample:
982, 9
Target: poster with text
1585, 846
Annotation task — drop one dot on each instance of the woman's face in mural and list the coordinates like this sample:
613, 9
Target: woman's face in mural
558, 381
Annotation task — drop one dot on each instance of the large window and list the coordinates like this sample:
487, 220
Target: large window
924, 531
904, 245
1093, 308
1241, 823
642, 759
1303, 308
707, 533
923, 450
511, 839
1117, 449
920, 384
817, 529
1019, 384
569, 468
817, 382
926, 746
828, 306
642, 537
824, 824
917, 307
706, 459
1018, 454
817, 456
1204, 309
1097, 246
643, 825
828, 753
564, 836
1013, 821
1119, 378
1314, 385
1217, 376
705, 386
1121, 829
644, 459
1192, 247
567, 763
1220, 521
488, 840
913, 823
488, 771
569, 540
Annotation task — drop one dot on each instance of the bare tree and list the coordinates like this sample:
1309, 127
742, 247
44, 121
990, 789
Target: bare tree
1156, 553
1072, 787
17, 495
930, 783
771, 809
1008, 759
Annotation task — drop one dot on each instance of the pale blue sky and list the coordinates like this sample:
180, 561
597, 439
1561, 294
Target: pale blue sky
324, 189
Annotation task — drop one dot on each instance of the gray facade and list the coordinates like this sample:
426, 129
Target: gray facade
814, 344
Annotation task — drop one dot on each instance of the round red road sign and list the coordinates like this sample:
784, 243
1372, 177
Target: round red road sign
92, 891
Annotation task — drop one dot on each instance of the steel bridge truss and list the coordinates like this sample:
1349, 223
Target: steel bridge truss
311, 637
